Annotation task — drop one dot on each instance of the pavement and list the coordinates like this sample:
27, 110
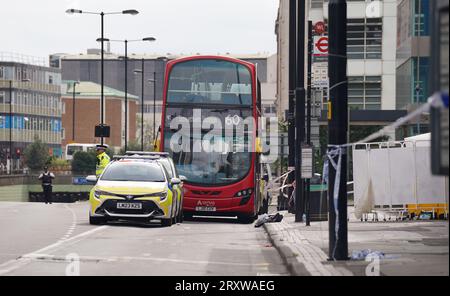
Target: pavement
407, 248
39, 239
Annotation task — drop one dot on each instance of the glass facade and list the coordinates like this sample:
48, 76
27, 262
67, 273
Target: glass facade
421, 18
34, 101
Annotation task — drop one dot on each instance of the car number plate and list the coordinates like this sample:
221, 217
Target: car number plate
205, 209
129, 206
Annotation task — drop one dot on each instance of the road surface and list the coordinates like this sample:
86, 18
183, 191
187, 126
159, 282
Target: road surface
39, 239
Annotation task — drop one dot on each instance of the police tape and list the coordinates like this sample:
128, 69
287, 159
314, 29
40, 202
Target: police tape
438, 100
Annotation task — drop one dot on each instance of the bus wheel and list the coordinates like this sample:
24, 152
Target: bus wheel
245, 219
187, 216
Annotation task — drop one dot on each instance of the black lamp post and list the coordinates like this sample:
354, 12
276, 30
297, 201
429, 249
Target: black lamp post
102, 39
154, 103
10, 127
141, 71
125, 58
73, 109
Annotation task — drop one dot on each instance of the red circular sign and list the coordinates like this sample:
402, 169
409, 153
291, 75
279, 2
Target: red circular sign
322, 44
319, 28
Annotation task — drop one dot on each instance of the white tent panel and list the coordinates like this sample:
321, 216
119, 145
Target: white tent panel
402, 175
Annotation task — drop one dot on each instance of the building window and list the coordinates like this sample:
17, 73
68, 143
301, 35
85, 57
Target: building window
421, 18
2, 72
50, 79
364, 38
364, 92
2, 97
420, 85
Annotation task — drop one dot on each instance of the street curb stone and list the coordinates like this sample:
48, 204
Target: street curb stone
301, 257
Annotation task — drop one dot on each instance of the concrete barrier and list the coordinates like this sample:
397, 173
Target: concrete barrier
17, 188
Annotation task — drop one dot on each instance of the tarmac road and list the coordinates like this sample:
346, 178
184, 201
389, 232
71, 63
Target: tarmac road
39, 239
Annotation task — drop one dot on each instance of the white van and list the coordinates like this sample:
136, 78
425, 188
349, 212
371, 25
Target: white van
71, 149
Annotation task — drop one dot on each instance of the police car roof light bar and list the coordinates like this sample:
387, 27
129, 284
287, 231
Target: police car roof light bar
147, 153
136, 157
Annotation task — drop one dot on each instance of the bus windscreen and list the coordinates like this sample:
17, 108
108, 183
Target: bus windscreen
210, 82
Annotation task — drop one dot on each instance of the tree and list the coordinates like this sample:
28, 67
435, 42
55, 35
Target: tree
84, 162
36, 155
133, 145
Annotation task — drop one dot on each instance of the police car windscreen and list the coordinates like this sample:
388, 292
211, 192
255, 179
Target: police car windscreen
133, 172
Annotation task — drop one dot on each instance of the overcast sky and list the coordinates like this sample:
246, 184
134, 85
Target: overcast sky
41, 27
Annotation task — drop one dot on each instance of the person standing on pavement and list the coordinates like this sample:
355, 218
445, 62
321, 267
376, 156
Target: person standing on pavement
47, 177
102, 159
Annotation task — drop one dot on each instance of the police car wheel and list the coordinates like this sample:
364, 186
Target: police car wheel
166, 222
96, 220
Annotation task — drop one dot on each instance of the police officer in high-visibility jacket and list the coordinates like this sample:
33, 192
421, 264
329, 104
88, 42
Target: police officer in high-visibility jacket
102, 159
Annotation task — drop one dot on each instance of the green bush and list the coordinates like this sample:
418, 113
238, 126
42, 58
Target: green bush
36, 155
84, 162
58, 162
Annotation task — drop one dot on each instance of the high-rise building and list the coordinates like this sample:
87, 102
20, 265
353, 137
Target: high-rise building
371, 61
30, 106
413, 58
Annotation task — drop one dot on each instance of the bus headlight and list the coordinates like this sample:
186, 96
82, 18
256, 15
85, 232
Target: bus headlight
244, 193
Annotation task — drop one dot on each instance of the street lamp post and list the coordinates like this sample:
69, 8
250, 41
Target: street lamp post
125, 58
154, 103
102, 14
73, 109
141, 71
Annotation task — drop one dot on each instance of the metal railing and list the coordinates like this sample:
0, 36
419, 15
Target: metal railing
23, 58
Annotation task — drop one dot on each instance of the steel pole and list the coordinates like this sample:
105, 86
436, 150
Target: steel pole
337, 127
102, 14
10, 127
291, 119
154, 105
142, 108
126, 95
300, 111
73, 112
308, 123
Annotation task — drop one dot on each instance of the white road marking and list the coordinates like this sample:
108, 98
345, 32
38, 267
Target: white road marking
46, 257
14, 264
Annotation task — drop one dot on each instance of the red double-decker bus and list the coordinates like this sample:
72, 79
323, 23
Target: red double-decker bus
208, 104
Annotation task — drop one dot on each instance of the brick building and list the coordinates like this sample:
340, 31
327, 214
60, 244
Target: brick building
87, 114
